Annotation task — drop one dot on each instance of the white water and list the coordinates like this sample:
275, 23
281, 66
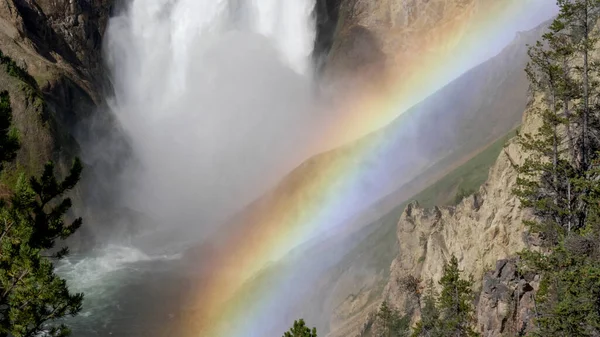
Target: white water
92, 270
106, 276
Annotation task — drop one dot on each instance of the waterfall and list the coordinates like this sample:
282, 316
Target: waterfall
215, 97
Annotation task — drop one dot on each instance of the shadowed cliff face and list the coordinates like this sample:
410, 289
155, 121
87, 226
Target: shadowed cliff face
395, 32
327, 16
54, 39
58, 44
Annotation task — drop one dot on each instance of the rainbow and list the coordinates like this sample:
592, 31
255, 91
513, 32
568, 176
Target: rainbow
316, 204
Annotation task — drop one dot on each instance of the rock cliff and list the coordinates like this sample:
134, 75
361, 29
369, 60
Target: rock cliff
58, 45
373, 39
396, 31
51, 39
506, 302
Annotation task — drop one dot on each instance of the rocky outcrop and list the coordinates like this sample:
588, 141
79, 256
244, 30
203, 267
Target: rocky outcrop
506, 303
52, 38
327, 16
483, 228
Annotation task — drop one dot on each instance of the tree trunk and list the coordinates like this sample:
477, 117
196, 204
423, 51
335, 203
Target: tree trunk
586, 98
569, 204
567, 112
554, 148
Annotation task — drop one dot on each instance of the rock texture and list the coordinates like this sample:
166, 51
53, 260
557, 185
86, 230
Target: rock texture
54, 38
506, 303
483, 228
58, 45
375, 38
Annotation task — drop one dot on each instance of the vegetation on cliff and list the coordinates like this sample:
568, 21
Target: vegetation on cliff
9, 141
391, 323
32, 296
452, 312
299, 329
559, 180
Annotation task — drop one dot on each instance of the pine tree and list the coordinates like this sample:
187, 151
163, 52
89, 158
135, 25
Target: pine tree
32, 296
391, 323
559, 182
456, 302
429, 325
451, 314
299, 329
9, 143
541, 182
577, 19
562, 56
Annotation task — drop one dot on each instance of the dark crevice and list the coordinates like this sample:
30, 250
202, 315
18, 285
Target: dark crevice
326, 17
43, 36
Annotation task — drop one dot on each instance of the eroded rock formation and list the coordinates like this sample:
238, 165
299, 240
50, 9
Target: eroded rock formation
484, 232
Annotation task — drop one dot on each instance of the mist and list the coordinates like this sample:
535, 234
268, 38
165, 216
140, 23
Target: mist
215, 98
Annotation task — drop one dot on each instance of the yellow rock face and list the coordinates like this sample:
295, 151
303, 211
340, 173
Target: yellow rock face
389, 40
